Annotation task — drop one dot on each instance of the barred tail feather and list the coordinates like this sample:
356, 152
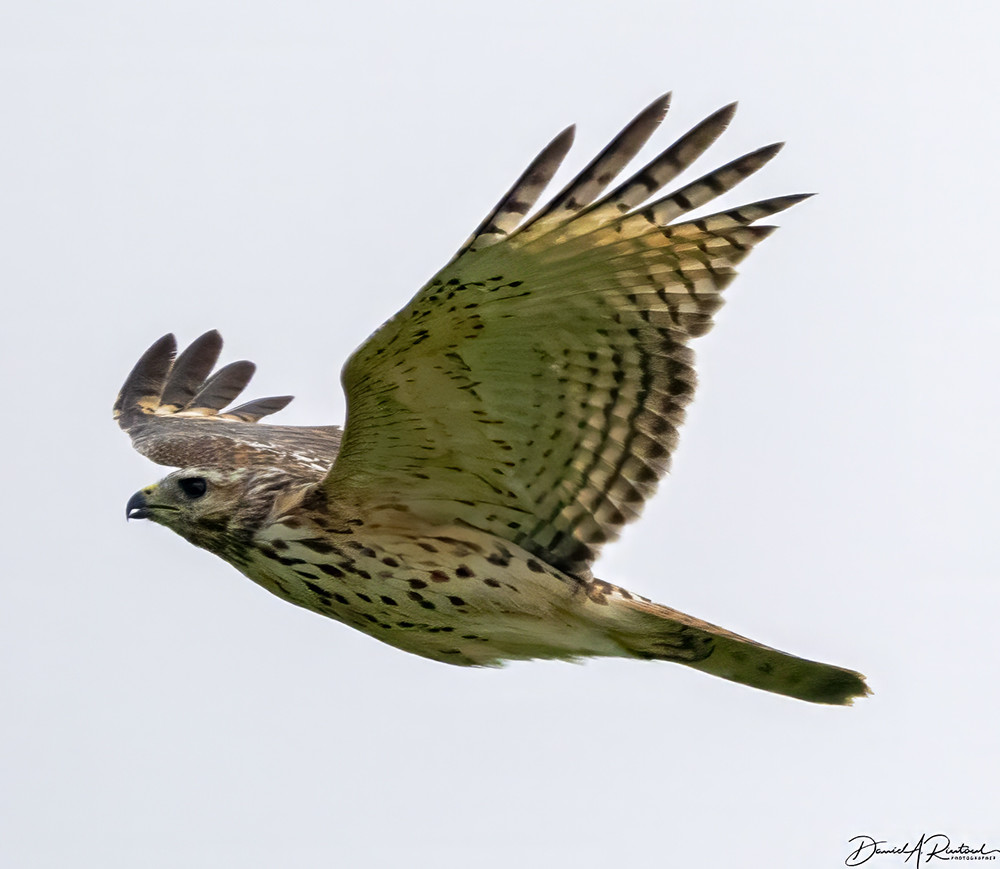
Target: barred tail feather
655, 632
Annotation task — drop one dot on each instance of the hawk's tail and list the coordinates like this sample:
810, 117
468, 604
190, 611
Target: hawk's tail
655, 632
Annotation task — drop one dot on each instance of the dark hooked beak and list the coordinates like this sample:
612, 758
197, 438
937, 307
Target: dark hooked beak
137, 507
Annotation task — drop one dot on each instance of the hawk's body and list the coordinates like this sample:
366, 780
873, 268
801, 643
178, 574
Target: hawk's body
501, 428
452, 594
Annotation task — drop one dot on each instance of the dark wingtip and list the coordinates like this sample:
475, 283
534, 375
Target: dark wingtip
190, 369
162, 348
554, 153
755, 160
255, 410
147, 377
207, 341
724, 115
223, 386
658, 108
564, 141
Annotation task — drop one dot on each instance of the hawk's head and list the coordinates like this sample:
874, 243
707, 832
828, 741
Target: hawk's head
218, 510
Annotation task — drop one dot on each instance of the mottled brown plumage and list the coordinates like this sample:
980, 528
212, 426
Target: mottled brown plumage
501, 428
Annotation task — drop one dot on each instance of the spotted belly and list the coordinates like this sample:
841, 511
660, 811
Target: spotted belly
455, 595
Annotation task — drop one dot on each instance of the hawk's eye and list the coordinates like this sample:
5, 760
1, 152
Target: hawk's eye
193, 487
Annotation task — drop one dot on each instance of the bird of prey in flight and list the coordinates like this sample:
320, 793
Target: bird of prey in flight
501, 428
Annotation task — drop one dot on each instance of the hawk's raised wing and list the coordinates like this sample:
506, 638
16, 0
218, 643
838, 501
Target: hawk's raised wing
534, 388
173, 411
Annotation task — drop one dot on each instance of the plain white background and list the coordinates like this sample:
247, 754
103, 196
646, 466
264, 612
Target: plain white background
290, 173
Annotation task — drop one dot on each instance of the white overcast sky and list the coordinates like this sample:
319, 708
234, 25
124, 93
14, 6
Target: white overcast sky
290, 173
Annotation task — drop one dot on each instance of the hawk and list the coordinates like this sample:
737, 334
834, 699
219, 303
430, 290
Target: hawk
501, 428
